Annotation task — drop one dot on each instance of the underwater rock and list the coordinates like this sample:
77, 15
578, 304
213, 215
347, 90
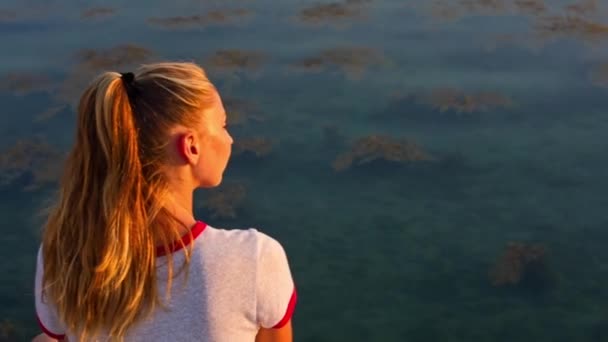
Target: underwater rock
224, 201
524, 266
380, 147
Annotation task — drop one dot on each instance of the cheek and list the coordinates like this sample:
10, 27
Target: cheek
222, 146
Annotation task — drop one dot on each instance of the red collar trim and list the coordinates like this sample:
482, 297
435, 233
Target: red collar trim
196, 230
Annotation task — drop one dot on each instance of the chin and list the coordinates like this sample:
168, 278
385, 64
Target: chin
211, 183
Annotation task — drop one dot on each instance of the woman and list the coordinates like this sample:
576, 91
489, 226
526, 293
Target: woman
122, 256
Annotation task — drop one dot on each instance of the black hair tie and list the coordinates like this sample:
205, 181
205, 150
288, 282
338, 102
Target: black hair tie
128, 79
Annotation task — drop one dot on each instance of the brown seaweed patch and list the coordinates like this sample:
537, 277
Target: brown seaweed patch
36, 158
24, 83
577, 20
114, 57
91, 62
572, 27
214, 17
258, 146
445, 99
448, 10
237, 59
97, 13
534, 7
453, 10
584, 7
353, 61
311, 64
329, 12
241, 112
336, 13
225, 200
380, 147
523, 264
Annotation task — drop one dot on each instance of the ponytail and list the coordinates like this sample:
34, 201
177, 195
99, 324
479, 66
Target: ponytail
99, 240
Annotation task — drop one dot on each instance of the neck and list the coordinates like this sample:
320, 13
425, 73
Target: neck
180, 205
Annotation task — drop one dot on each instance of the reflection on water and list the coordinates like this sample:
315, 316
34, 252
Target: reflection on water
436, 170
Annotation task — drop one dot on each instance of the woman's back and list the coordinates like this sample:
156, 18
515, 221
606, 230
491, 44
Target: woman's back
238, 280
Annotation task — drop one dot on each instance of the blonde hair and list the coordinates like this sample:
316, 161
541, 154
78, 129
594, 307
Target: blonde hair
100, 238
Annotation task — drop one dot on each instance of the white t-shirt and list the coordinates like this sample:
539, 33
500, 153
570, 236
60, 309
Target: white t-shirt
239, 281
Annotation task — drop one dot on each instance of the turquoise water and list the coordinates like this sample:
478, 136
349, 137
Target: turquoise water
508, 96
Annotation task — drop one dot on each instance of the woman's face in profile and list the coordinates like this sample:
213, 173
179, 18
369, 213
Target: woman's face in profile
217, 144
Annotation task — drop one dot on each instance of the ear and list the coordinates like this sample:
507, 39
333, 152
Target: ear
188, 148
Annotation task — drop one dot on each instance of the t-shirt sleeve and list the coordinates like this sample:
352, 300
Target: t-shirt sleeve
276, 292
45, 312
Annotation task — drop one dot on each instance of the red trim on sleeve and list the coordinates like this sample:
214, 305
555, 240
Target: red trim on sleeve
46, 331
196, 230
290, 309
